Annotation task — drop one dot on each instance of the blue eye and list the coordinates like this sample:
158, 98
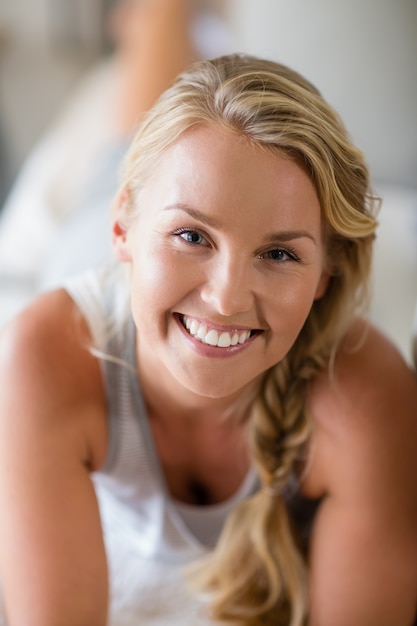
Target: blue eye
191, 236
279, 254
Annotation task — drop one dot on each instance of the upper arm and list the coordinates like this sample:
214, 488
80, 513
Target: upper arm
364, 545
52, 561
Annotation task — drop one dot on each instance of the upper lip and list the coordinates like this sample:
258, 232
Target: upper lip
221, 328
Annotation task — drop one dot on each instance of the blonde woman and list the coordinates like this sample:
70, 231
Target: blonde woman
210, 432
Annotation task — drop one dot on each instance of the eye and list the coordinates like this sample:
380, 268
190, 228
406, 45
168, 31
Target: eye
191, 236
280, 255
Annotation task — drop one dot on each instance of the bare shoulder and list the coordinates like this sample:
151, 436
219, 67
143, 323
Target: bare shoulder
52, 434
50, 379
365, 410
363, 464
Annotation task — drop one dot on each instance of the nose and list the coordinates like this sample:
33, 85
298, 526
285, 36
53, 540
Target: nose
228, 286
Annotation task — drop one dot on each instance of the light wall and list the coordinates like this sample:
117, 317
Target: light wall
362, 55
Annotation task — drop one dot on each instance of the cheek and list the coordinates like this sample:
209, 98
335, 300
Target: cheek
157, 282
291, 308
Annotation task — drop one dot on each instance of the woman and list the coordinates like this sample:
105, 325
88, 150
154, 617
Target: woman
215, 430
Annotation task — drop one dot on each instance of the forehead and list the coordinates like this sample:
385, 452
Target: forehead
207, 153
238, 185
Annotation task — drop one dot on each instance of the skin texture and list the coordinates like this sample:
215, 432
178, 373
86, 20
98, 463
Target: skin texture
219, 266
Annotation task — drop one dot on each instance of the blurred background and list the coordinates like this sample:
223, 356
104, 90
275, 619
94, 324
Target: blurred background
56, 100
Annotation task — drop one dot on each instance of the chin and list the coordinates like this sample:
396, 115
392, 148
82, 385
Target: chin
217, 385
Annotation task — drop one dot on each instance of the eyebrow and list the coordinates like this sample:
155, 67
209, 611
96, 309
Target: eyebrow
281, 236
289, 235
198, 215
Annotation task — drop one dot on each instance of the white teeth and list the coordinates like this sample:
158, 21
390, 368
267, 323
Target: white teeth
193, 326
212, 337
243, 336
224, 340
234, 340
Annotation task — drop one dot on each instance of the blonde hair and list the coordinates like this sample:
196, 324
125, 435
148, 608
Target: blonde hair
256, 574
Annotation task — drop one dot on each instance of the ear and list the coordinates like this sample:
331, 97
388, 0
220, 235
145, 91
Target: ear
322, 285
120, 231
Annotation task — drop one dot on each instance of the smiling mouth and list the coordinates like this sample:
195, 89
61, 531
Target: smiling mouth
213, 337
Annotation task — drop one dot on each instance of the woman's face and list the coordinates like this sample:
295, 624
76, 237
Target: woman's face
227, 258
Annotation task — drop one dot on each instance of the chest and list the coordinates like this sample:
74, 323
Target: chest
201, 466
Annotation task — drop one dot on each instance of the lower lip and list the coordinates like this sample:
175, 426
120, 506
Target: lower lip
213, 352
